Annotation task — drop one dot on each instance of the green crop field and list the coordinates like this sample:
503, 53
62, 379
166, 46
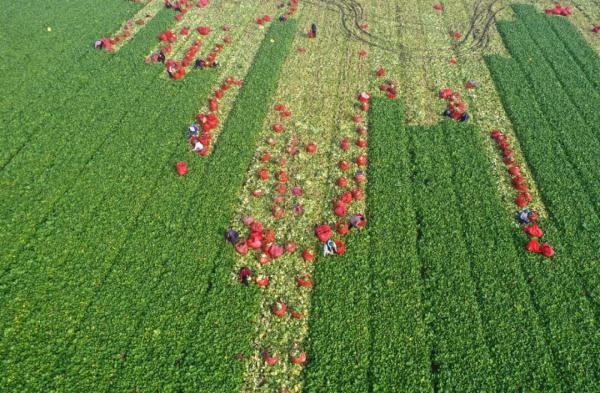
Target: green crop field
300, 195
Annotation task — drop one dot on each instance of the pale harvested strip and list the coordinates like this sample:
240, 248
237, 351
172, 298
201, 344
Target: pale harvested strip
212, 15
487, 110
317, 88
175, 28
192, 19
240, 17
416, 74
235, 59
145, 14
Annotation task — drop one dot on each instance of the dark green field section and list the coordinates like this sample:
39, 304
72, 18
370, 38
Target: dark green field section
45, 72
113, 272
554, 107
439, 294
560, 137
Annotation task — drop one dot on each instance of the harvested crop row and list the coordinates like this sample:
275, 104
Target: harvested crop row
224, 305
306, 152
223, 98
563, 300
185, 37
416, 77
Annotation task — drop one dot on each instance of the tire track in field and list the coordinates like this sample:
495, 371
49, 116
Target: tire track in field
350, 16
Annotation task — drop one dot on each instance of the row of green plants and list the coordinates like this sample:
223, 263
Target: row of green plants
579, 142
111, 310
563, 287
51, 163
79, 255
454, 311
58, 67
567, 97
71, 34
33, 202
579, 85
364, 306
513, 330
339, 341
578, 47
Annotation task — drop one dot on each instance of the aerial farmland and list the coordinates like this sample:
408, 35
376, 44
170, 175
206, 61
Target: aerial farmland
300, 196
